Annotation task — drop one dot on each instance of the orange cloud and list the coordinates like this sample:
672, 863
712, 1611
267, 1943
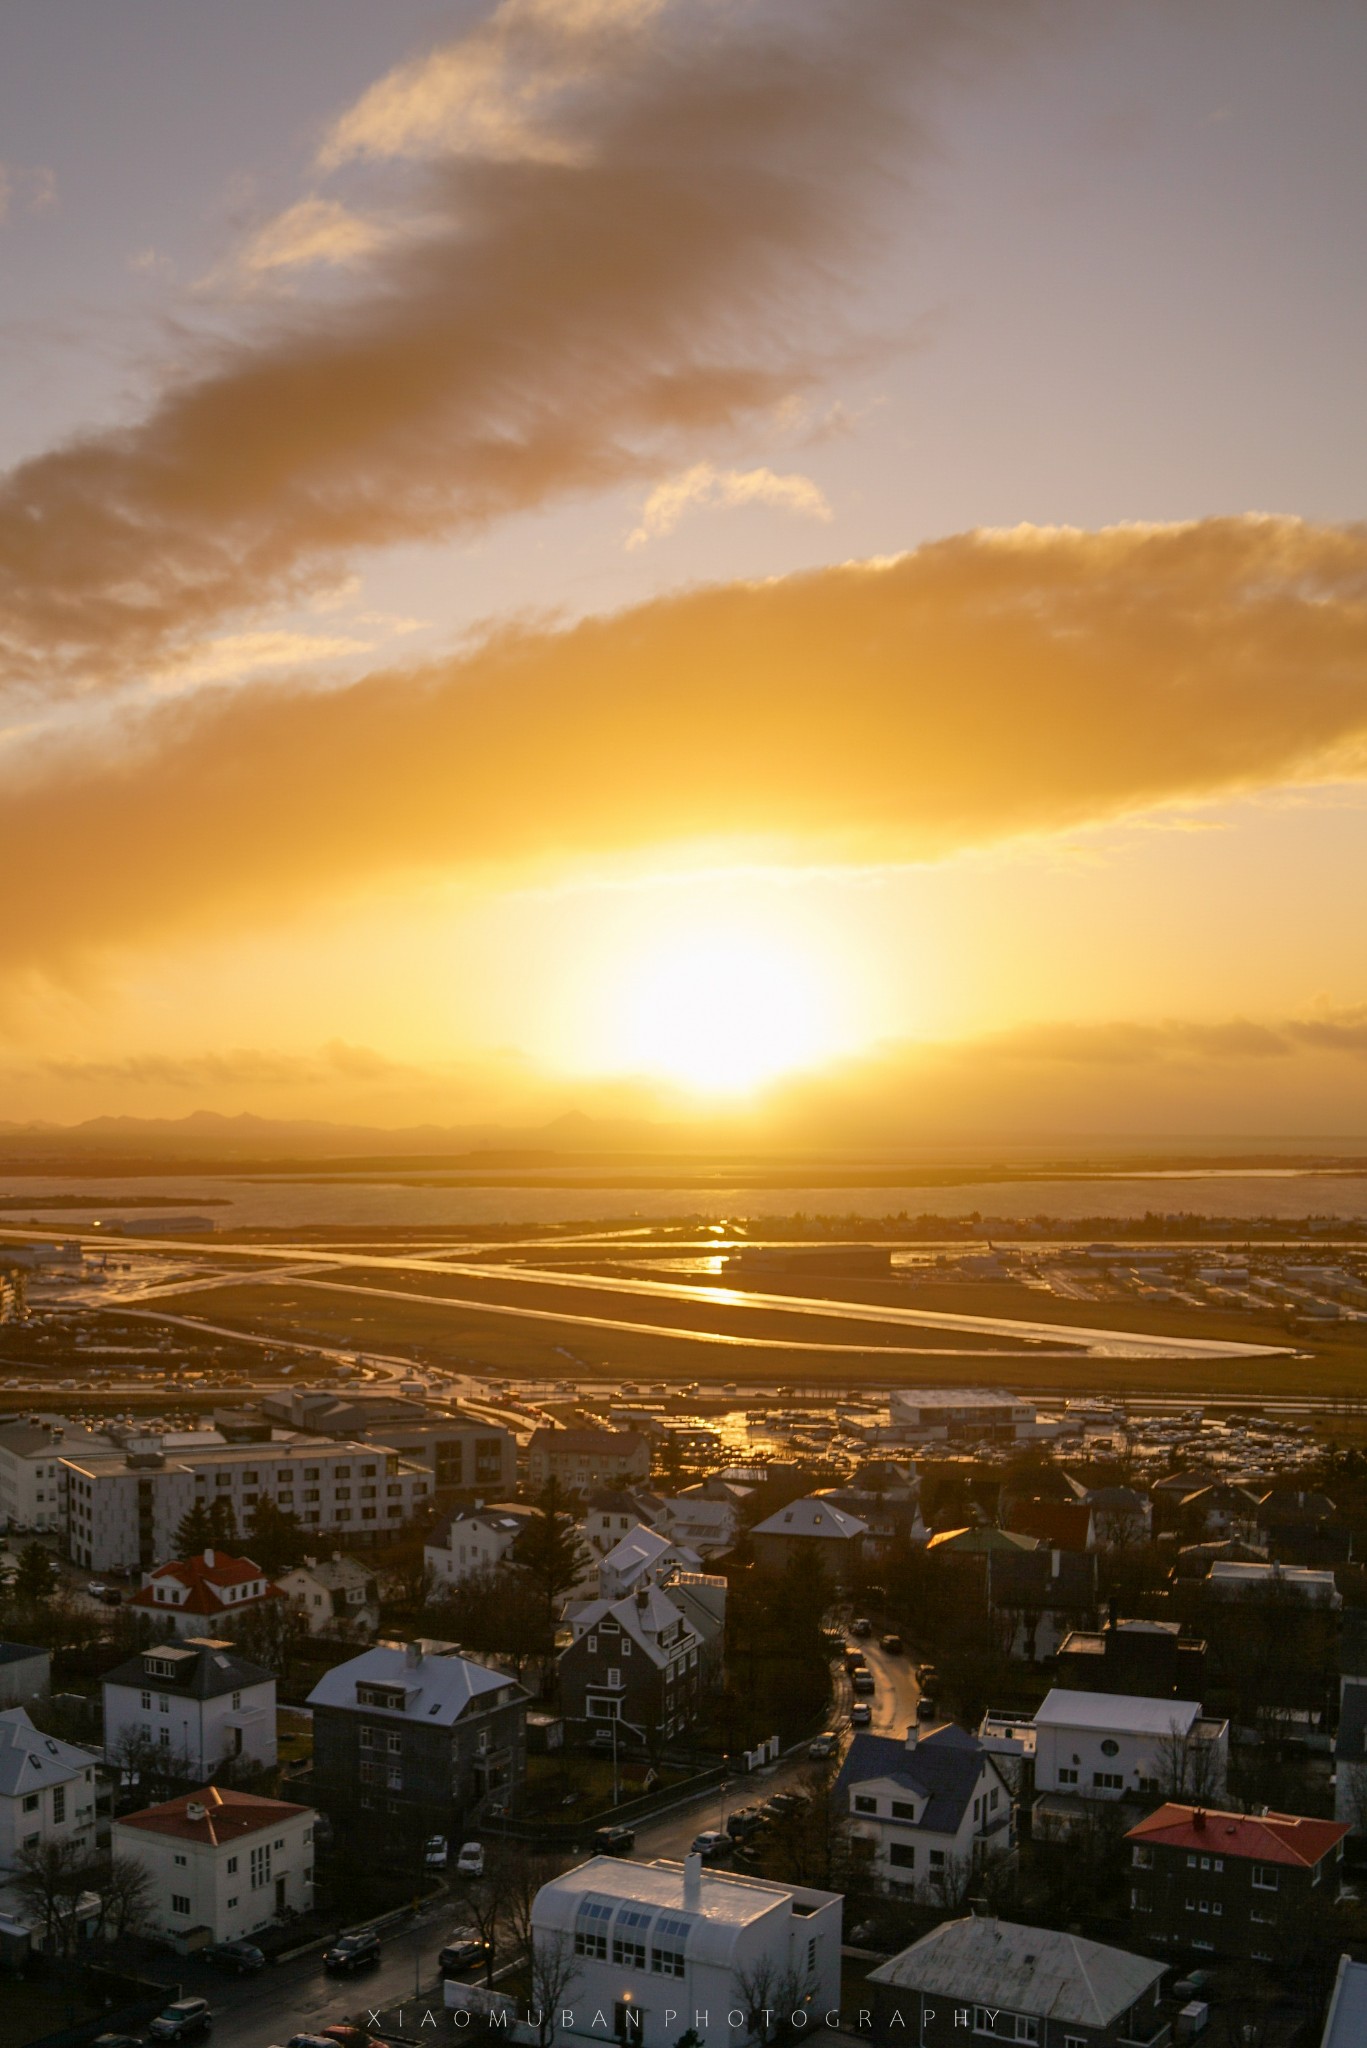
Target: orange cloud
560, 320
983, 687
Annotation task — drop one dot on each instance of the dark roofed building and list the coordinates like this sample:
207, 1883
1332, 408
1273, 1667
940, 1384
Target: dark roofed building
928, 1811
1233, 1884
1060, 1525
1045, 1594
1149, 1659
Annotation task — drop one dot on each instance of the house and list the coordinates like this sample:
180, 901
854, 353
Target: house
1220, 1509
1152, 1659
200, 1700
978, 1541
1057, 1524
887, 1519
580, 1459
1120, 1515
222, 1862
1233, 1884
642, 1556
636, 1661
1345, 2023
1102, 1745
813, 1532
983, 1976
657, 1947
1037, 1597
30, 1475
417, 1734
47, 1789
193, 1593
613, 1512
472, 1540
707, 1527
25, 1674
701, 1599
336, 1595
928, 1812
1229, 1581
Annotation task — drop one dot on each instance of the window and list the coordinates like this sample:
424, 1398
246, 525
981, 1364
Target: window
1067, 1776
232, 1903
182, 1859
1139, 1901
261, 1866
628, 1952
180, 1903
1108, 1781
367, 1737
1110, 1747
1143, 1857
902, 1855
667, 1962
1005, 2026
1266, 1877
58, 1803
591, 1930
163, 1704
32, 1801
146, 1699
231, 1866
864, 1804
237, 1701
593, 1645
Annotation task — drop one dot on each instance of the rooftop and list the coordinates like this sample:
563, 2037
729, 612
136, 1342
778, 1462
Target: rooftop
431, 1682
199, 1668
1031, 1970
944, 1767
214, 1815
1345, 2023
1289, 1838
29, 1759
1121, 1713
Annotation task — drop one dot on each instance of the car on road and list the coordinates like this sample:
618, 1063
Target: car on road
823, 1745
462, 1952
741, 1824
435, 1852
926, 1674
353, 1952
893, 1645
618, 1841
97, 1589
854, 1659
861, 1627
861, 1714
711, 1845
182, 2020
863, 1680
925, 1708
470, 1862
242, 1958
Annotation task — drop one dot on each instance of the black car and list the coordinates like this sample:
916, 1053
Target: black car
243, 1958
353, 1952
116, 2041
618, 1841
182, 2020
462, 1952
893, 1645
743, 1822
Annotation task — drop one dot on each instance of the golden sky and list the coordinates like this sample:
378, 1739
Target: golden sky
686, 557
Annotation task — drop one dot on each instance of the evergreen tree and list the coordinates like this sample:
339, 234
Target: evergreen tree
551, 1550
276, 1538
34, 1581
194, 1531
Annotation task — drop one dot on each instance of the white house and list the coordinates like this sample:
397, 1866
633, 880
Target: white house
706, 1526
1102, 1745
641, 1558
930, 1811
656, 1948
225, 1861
201, 1700
194, 1593
471, 1540
1230, 1581
612, 1514
47, 1789
334, 1594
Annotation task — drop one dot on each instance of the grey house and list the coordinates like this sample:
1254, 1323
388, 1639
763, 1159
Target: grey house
25, 1674
417, 1736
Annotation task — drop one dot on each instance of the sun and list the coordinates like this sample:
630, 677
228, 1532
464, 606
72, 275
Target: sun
721, 1013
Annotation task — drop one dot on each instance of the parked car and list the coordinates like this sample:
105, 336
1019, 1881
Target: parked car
182, 2020
741, 1824
116, 2041
788, 1802
861, 1627
436, 1852
893, 1645
618, 1841
861, 1714
925, 1708
343, 2035
470, 1862
243, 1958
863, 1680
353, 1952
823, 1745
712, 1845
926, 1674
97, 1589
462, 1952
853, 1658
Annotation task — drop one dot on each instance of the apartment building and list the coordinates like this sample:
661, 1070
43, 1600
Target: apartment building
1099, 1745
30, 1479
124, 1507
637, 1661
580, 1459
1233, 1884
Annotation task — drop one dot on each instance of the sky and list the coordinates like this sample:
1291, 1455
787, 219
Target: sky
770, 563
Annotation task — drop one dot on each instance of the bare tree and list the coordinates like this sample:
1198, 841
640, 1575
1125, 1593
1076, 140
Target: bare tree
125, 1888
153, 1769
52, 1880
1188, 1766
552, 1974
769, 1993
487, 1900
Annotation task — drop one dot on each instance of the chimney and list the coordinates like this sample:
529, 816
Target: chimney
692, 1882
209, 1558
412, 1655
1198, 1819
196, 1810
913, 1735
1055, 1557
642, 1598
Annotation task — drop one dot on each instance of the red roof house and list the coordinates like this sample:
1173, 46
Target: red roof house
192, 1590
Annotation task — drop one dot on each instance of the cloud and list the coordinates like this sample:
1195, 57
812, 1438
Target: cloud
242, 654
237, 1067
981, 688
702, 485
564, 322
311, 231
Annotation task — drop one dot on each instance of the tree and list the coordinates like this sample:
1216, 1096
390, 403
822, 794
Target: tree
35, 1581
194, 1531
552, 1975
269, 1633
52, 1879
769, 1993
153, 1770
486, 1900
125, 1888
222, 1523
551, 1551
1188, 1767
276, 1536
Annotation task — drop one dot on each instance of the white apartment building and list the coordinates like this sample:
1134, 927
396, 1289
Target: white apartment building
30, 1479
224, 1861
124, 1507
200, 1700
47, 1789
962, 1414
1103, 1745
661, 1947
